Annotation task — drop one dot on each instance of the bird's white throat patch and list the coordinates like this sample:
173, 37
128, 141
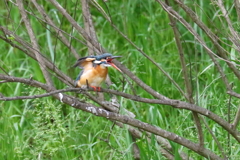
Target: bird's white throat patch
106, 65
97, 62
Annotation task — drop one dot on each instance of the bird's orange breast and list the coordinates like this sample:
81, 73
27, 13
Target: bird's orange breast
93, 76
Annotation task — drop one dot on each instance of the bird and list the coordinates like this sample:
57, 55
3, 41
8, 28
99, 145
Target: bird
94, 70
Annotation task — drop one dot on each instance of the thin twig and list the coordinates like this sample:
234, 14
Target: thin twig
215, 139
229, 121
236, 119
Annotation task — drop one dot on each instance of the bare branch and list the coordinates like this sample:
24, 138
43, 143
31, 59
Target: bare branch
234, 38
97, 48
88, 25
57, 29
213, 38
173, 103
237, 6
237, 95
209, 51
30, 52
34, 43
72, 101
186, 78
133, 122
51, 23
237, 119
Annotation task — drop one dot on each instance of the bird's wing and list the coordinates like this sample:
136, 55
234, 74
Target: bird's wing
83, 62
78, 77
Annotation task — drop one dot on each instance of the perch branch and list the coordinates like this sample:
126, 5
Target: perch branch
171, 102
72, 101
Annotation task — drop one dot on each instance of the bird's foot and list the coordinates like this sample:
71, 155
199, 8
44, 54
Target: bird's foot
96, 88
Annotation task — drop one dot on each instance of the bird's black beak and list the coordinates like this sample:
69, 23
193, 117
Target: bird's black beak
113, 57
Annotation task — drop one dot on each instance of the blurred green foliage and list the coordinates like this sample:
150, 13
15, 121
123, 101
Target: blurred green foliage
47, 129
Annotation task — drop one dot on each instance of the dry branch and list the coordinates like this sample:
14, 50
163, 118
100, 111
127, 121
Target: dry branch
34, 44
51, 23
72, 101
88, 26
86, 36
186, 78
173, 103
213, 38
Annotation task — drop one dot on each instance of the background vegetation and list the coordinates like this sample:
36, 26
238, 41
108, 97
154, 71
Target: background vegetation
205, 76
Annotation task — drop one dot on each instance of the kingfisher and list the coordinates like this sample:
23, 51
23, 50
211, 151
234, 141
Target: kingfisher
94, 70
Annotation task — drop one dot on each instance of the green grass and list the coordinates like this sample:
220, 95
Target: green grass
47, 129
